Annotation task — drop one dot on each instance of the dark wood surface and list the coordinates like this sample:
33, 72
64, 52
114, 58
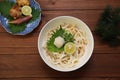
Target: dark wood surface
19, 56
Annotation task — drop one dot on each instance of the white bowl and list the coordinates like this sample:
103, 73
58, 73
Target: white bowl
56, 22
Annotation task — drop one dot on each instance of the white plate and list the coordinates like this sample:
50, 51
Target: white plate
56, 22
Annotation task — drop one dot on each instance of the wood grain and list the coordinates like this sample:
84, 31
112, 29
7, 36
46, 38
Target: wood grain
100, 65
76, 4
61, 79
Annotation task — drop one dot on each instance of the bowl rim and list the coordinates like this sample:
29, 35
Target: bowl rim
72, 69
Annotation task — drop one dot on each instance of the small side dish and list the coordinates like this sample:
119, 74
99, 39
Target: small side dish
19, 15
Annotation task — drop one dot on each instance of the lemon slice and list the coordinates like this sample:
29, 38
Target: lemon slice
69, 48
26, 10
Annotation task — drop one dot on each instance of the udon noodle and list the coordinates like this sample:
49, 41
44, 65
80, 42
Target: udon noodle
61, 59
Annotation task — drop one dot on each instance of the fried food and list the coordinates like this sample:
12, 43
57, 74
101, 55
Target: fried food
23, 2
15, 12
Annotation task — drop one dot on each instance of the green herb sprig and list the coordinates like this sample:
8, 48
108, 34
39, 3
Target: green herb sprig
64, 34
108, 27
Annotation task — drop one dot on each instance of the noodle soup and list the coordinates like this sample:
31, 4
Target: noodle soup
65, 43
63, 58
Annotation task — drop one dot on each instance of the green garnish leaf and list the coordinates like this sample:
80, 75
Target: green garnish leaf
5, 7
68, 37
108, 27
17, 28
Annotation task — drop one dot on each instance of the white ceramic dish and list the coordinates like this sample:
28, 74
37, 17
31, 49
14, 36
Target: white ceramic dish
56, 22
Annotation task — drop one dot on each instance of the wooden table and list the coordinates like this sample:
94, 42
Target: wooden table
19, 56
